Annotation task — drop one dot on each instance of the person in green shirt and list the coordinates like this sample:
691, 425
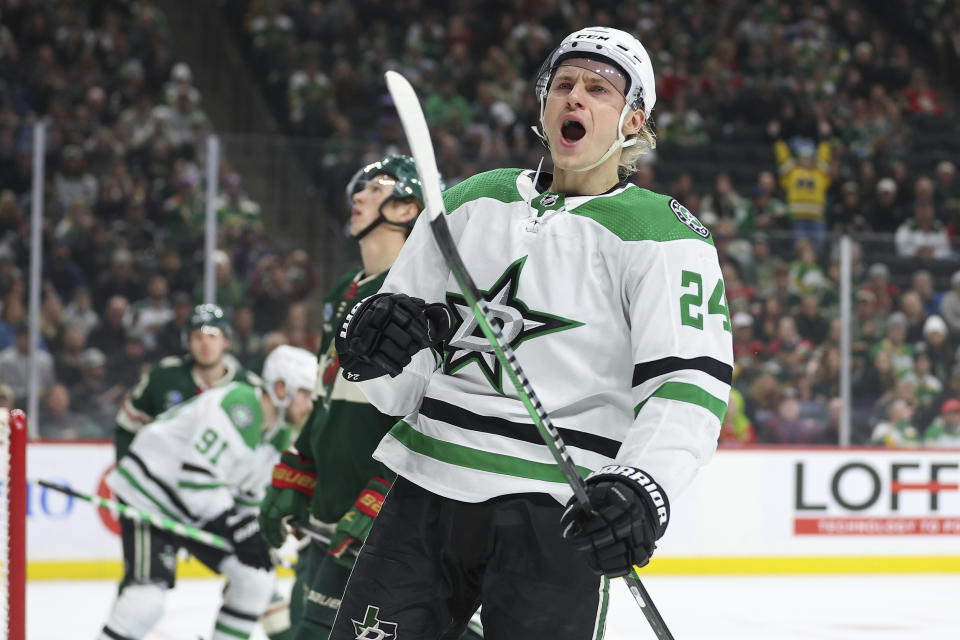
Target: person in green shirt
177, 378
330, 479
944, 431
897, 431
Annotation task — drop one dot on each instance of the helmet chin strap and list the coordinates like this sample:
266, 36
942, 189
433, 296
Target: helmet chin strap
370, 227
619, 143
281, 405
380, 220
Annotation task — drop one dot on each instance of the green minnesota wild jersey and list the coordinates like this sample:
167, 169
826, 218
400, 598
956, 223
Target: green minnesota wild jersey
168, 383
344, 428
202, 457
614, 305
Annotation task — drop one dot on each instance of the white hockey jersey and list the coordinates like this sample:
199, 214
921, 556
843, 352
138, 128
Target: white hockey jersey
202, 457
615, 307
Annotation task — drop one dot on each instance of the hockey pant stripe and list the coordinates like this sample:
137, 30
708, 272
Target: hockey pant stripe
604, 601
142, 549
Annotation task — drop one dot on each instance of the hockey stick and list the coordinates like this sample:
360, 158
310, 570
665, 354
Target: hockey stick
421, 147
310, 531
132, 513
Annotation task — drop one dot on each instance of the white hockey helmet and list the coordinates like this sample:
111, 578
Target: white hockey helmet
298, 368
615, 47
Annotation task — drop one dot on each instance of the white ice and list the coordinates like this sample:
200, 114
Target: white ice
863, 607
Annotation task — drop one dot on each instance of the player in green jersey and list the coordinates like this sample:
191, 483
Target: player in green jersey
175, 379
331, 480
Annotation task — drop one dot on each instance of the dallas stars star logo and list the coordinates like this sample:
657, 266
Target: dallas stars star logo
517, 321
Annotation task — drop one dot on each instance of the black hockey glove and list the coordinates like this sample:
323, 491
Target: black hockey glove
381, 334
630, 513
244, 532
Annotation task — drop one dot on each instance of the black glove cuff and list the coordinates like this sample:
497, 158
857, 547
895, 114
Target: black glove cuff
439, 323
381, 336
654, 497
356, 367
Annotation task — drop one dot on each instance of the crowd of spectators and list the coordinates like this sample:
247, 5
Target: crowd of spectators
723, 70
733, 78
932, 23
125, 197
905, 370
123, 211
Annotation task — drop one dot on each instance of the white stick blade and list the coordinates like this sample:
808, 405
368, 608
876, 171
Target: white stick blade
418, 138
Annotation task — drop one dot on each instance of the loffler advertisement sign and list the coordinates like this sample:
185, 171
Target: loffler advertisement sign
776, 509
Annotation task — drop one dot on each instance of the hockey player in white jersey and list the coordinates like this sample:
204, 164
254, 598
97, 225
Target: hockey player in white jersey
207, 463
612, 298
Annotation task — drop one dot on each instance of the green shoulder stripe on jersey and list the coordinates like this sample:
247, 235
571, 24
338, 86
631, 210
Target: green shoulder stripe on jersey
638, 214
476, 459
683, 392
500, 184
242, 406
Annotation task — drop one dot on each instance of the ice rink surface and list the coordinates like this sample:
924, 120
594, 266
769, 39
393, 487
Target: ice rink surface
862, 607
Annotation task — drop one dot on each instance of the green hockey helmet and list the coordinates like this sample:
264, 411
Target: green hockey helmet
400, 168
404, 171
208, 315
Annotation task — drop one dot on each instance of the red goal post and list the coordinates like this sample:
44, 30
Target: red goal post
13, 522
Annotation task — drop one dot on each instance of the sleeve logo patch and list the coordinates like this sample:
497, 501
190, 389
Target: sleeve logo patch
241, 415
172, 398
683, 215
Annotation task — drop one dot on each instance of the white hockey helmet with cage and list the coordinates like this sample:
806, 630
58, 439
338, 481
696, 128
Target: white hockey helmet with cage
615, 47
298, 368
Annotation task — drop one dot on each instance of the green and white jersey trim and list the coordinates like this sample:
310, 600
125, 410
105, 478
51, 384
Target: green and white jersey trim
615, 307
201, 457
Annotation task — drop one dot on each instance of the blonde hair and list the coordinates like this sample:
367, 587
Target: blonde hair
630, 156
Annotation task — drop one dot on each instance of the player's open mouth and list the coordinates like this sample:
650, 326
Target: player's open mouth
572, 131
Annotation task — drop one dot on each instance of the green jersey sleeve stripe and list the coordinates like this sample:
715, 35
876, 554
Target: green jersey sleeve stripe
136, 485
683, 392
184, 484
476, 459
247, 503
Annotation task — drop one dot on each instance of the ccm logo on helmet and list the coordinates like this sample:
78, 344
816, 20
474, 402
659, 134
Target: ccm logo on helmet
591, 36
644, 481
